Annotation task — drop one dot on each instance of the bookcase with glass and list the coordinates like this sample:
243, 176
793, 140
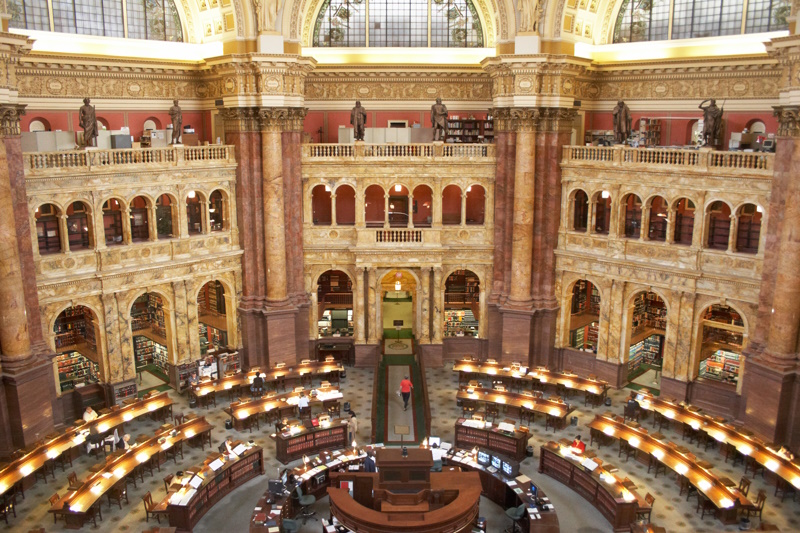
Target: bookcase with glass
75, 369
585, 316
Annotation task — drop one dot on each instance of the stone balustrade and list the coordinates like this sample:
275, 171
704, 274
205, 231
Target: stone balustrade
74, 161
377, 152
707, 161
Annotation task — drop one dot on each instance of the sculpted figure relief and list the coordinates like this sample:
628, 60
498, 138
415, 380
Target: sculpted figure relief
439, 120
530, 12
266, 14
88, 121
177, 121
712, 121
358, 118
622, 122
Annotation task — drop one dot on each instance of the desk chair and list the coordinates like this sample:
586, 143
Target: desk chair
704, 505
54, 500
117, 493
492, 411
686, 486
759, 506
48, 467
660, 421
627, 449
8, 504
744, 486
305, 501
515, 514
72, 479
732, 452
751, 464
152, 508
658, 465
643, 513
784, 488
290, 526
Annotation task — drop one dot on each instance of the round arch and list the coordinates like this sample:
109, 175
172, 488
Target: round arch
645, 329
719, 344
229, 295
149, 326
76, 335
408, 311
462, 294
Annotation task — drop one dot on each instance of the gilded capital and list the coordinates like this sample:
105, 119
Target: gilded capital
9, 118
240, 119
502, 118
295, 118
788, 120
273, 118
525, 119
558, 119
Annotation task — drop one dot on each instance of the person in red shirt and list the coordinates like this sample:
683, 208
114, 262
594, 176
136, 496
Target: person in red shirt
405, 390
578, 444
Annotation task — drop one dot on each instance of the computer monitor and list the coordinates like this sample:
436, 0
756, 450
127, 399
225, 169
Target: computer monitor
285, 477
508, 469
534, 490
639, 397
437, 441
483, 458
497, 462
275, 486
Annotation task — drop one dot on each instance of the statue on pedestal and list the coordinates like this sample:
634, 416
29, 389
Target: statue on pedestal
530, 13
439, 120
712, 122
177, 121
88, 121
358, 118
622, 122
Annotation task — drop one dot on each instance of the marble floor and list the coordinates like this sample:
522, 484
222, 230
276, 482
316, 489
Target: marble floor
575, 514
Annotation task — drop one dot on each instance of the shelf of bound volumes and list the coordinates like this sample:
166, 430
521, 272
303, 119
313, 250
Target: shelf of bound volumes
147, 351
309, 442
647, 351
74, 368
511, 444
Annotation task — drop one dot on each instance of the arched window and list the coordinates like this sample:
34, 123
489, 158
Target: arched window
748, 230
658, 219
217, 211
642, 20
423, 206
684, 221
632, 211
374, 206
194, 213
580, 211
146, 19
451, 205
400, 23
719, 225
398, 206
47, 228
345, 205
79, 227
602, 215
112, 221
584, 317
140, 225
335, 304
321, 205
462, 298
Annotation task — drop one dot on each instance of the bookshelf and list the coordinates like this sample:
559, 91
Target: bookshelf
721, 365
75, 326
309, 442
161, 357
74, 368
645, 351
460, 321
510, 444
649, 132
142, 350
228, 362
470, 129
124, 391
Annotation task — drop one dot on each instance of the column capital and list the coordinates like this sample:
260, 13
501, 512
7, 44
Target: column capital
502, 119
788, 120
525, 118
239, 119
558, 119
280, 119
9, 119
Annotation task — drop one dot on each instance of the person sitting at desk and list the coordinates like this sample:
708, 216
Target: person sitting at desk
89, 414
302, 403
437, 452
369, 462
784, 451
124, 442
578, 446
258, 384
227, 446
193, 380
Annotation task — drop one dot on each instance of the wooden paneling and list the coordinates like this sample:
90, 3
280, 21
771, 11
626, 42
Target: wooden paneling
714, 397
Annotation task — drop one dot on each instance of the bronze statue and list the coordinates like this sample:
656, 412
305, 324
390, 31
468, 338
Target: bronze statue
622, 122
177, 121
88, 121
358, 118
439, 120
712, 122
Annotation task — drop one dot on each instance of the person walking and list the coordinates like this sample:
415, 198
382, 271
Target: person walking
405, 390
352, 425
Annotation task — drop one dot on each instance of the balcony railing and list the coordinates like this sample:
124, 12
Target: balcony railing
398, 235
450, 152
759, 163
99, 160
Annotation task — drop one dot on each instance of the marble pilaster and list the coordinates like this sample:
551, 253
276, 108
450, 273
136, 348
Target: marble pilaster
180, 323
438, 305
274, 218
372, 291
193, 326
127, 362
114, 348
358, 306
425, 300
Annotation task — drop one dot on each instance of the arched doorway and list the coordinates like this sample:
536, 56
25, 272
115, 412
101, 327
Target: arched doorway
48, 230
397, 297
334, 304
462, 304
584, 316
75, 341
647, 325
212, 317
722, 340
149, 323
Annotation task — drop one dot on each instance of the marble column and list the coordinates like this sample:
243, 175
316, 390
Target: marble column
193, 325
63, 235
272, 120
732, 233
358, 306
644, 229
438, 305
127, 233
425, 281
500, 208
15, 342
313, 329
372, 275
360, 207
672, 214
152, 224
386, 210
333, 209
464, 208
378, 308
177, 329
205, 223
522, 248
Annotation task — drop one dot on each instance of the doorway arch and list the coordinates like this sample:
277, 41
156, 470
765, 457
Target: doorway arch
76, 339
462, 304
334, 312
644, 338
398, 309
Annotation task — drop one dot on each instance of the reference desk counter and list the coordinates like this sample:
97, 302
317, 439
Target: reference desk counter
203, 487
57, 444
469, 434
617, 501
727, 435
509, 492
294, 443
76, 505
727, 499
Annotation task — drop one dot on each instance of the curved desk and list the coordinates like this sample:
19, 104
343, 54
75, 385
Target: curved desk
617, 501
555, 411
273, 375
457, 493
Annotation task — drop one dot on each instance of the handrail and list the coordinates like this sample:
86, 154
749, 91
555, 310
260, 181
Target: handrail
684, 159
375, 384
99, 160
426, 151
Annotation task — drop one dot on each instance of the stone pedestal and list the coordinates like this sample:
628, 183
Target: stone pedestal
432, 353
767, 403
367, 355
281, 336
527, 43
515, 333
673, 388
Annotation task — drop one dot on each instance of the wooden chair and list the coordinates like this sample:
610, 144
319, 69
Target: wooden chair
492, 411
72, 478
750, 463
151, 508
627, 449
48, 467
250, 421
658, 465
704, 505
95, 511
686, 487
167, 480
690, 432
8, 504
117, 493
758, 508
784, 488
643, 513
54, 500
744, 485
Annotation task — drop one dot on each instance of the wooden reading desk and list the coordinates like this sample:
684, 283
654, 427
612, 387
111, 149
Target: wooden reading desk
51, 448
587, 475
716, 428
76, 505
241, 411
277, 376
555, 411
725, 498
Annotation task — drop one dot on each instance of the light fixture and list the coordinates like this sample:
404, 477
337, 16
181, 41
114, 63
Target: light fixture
605, 194
759, 209
634, 441
142, 457
327, 188
681, 468
397, 285
191, 194
771, 465
189, 433
398, 188
469, 189
704, 485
